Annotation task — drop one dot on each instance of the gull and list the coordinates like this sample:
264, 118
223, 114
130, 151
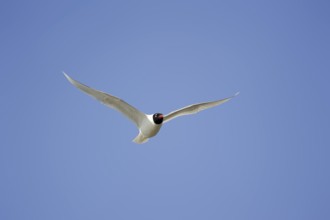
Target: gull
148, 124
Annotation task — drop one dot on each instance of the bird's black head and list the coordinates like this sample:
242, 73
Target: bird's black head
158, 118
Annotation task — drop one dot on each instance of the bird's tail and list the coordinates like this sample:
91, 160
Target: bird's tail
140, 139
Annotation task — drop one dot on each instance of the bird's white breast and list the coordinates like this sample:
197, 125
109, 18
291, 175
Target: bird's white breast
149, 128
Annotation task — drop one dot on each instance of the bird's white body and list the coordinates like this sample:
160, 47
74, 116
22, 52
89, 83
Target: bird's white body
148, 125
147, 130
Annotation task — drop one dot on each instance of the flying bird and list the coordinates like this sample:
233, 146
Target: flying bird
148, 124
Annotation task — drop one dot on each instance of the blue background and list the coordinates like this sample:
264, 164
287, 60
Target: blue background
263, 155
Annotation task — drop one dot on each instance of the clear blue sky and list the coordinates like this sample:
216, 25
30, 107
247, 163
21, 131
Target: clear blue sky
263, 155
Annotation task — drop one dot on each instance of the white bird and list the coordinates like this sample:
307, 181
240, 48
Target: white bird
148, 124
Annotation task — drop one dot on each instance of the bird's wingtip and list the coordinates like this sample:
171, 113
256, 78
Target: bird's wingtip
66, 75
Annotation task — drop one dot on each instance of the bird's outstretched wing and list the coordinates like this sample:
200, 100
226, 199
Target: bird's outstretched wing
111, 101
192, 109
